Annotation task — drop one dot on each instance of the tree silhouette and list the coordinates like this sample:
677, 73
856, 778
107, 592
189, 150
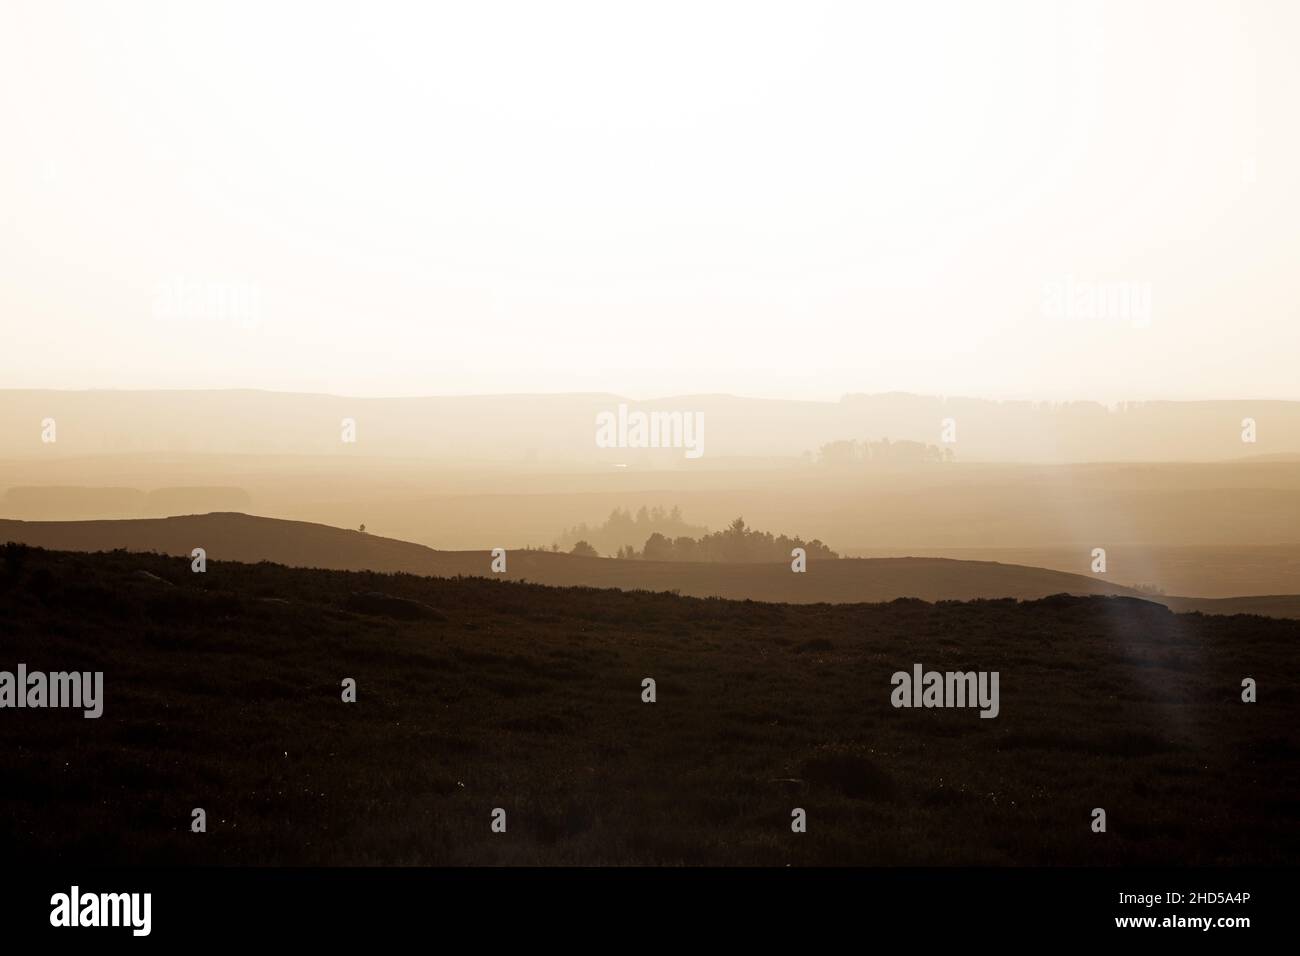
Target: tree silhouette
737, 544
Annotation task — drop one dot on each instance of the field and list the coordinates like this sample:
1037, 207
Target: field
253, 539
223, 691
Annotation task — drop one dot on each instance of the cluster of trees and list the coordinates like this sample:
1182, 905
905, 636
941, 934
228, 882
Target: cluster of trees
622, 529
842, 454
736, 544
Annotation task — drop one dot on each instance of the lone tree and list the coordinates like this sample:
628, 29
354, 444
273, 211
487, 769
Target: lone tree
584, 550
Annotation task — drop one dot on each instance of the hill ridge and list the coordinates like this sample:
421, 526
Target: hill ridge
237, 536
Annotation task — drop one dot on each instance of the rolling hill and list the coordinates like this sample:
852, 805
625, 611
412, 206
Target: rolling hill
248, 538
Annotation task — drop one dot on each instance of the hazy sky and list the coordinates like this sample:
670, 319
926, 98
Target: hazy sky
790, 199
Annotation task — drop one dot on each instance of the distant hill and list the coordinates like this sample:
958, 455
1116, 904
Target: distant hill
248, 538
516, 428
76, 502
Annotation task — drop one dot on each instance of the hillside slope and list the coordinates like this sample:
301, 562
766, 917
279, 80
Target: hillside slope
222, 691
247, 538
241, 537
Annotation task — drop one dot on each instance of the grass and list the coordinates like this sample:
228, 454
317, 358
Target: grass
223, 692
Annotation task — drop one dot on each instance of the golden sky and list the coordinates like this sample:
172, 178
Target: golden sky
773, 199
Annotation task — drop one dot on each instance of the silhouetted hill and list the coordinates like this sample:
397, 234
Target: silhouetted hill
240, 537
223, 691
247, 538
